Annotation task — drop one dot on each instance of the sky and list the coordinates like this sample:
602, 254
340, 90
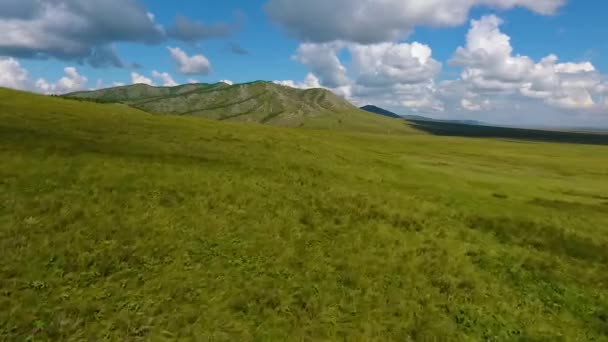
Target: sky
536, 63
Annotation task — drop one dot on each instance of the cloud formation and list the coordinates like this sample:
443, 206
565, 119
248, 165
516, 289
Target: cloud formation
190, 65
74, 30
372, 21
493, 81
323, 61
385, 74
72, 81
491, 68
12, 75
141, 79
166, 79
87, 31
310, 81
384, 64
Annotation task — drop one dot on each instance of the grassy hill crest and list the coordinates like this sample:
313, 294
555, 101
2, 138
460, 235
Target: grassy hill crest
258, 102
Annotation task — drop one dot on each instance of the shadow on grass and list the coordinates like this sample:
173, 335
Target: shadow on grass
568, 206
540, 236
462, 130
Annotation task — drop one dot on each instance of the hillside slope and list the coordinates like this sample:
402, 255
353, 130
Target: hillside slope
119, 225
260, 102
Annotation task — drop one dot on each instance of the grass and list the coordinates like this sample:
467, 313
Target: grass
120, 225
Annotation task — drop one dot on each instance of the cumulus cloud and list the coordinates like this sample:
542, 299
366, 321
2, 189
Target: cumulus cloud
165, 78
190, 65
372, 21
310, 81
86, 31
390, 74
100, 84
323, 61
141, 79
12, 75
385, 64
73, 29
228, 82
72, 81
491, 68
474, 104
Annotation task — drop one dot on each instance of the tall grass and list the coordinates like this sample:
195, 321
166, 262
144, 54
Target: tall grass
119, 225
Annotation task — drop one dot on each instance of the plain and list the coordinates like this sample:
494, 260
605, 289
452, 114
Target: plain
121, 225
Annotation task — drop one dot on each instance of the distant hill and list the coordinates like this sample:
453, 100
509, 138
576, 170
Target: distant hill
384, 112
381, 111
259, 102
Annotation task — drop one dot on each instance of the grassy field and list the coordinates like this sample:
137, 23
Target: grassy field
120, 225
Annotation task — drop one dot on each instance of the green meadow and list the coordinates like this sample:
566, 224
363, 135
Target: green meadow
120, 225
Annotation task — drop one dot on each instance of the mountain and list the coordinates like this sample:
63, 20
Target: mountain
384, 112
258, 102
381, 111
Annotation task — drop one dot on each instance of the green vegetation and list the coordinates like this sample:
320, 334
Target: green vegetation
261, 102
120, 225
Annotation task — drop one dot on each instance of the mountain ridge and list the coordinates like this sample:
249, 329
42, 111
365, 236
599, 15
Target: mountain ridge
255, 102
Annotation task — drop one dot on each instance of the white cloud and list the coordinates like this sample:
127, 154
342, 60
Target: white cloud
311, 81
140, 79
12, 75
192, 81
395, 75
385, 64
190, 65
165, 77
72, 81
373, 21
390, 74
323, 61
475, 104
491, 67
421, 97
74, 29
100, 84
228, 82
86, 31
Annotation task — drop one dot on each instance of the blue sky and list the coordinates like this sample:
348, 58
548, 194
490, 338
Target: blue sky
403, 55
